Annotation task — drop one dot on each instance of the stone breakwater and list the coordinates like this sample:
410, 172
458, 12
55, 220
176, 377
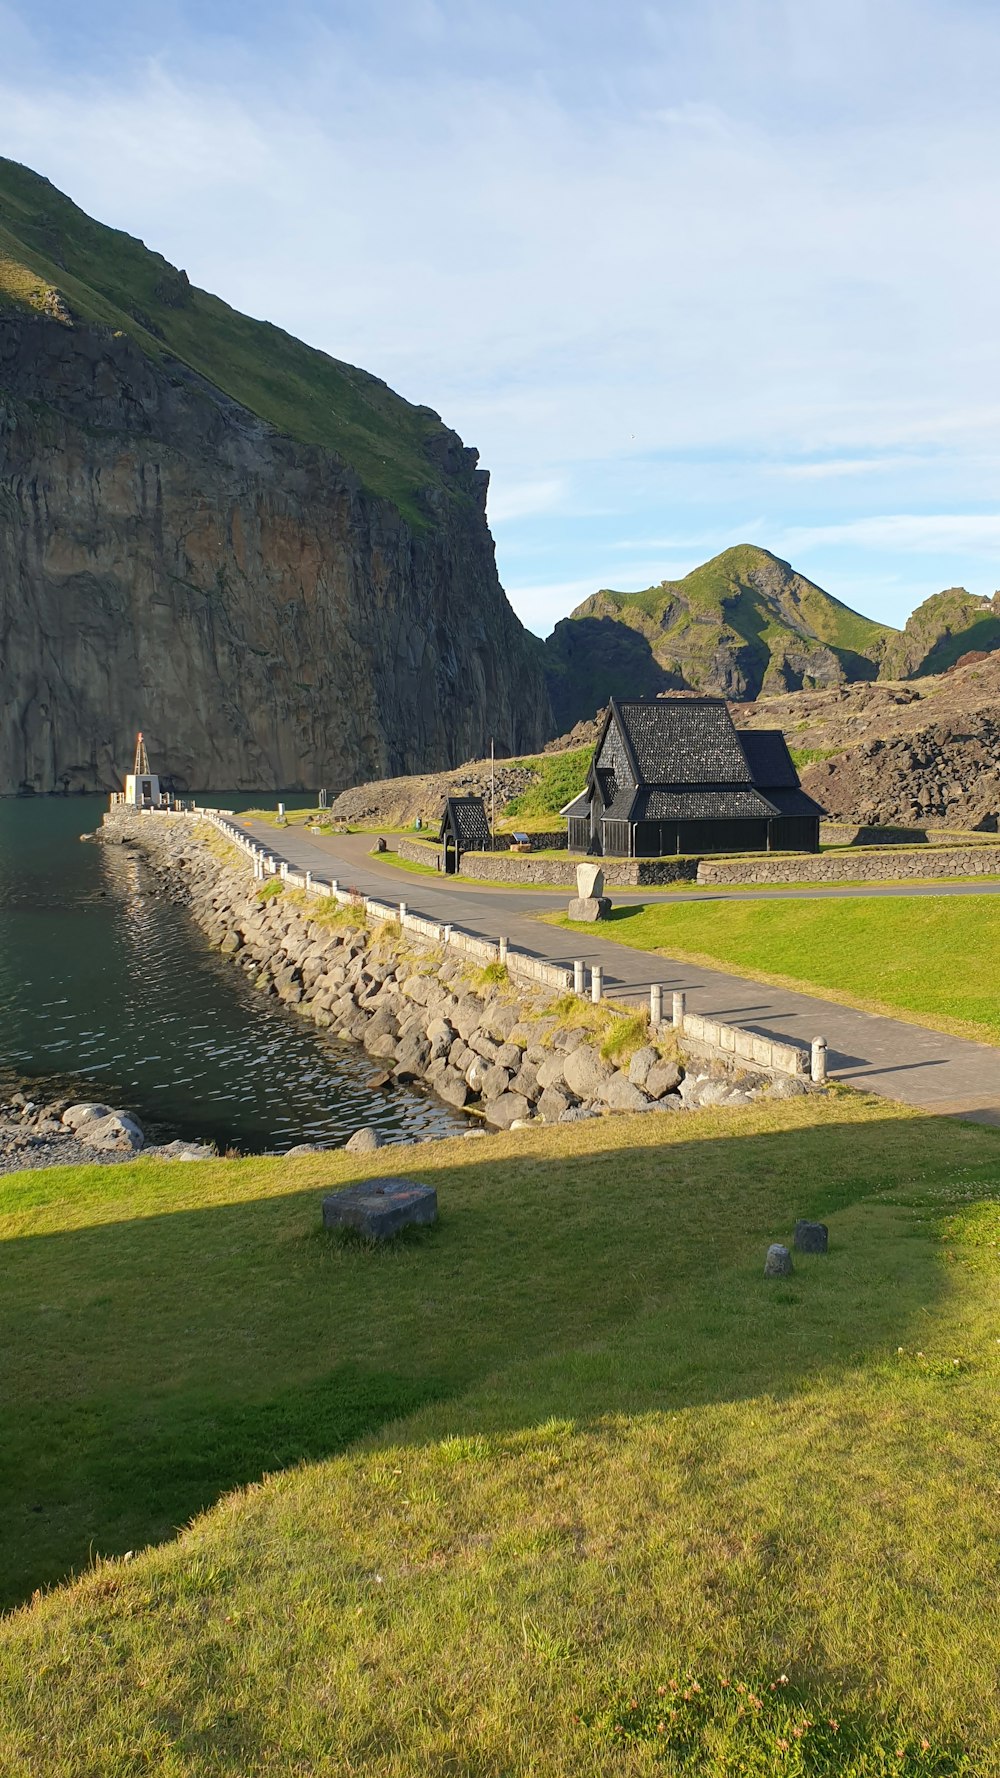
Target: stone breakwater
508, 1055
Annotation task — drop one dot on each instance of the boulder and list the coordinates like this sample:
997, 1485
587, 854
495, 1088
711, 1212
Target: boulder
592, 907
663, 1077
384, 1045
503, 1112
364, 1140
230, 944
87, 1111
552, 1104
494, 1080
641, 1063
380, 1208
300, 1148
525, 1081
550, 1072
618, 1094
778, 1263
585, 1072
186, 1151
589, 881
117, 1130
451, 1087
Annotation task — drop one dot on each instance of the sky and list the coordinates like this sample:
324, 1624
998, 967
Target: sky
688, 273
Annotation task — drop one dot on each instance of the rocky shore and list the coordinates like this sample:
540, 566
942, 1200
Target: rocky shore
62, 1133
507, 1055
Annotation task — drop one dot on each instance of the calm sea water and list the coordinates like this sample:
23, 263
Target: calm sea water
108, 991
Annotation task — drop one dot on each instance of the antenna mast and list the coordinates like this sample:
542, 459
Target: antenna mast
141, 766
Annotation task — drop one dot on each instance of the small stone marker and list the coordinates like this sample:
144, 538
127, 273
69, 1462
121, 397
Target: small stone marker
589, 881
379, 1208
778, 1263
811, 1237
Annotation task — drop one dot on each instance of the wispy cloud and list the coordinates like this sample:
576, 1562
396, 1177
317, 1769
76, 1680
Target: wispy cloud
519, 500
922, 532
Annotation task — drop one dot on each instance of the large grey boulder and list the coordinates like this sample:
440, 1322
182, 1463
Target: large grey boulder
552, 1104
116, 1131
590, 908
451, 1087
87, 1111
550, 1072
663, 1077
380, 1208
364, 1141
585, 1072
296, 1152
641, 1063
494, 1080
618, 1094
506, 1110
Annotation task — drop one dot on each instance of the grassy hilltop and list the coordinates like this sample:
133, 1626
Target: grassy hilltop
57, 261
561, 1486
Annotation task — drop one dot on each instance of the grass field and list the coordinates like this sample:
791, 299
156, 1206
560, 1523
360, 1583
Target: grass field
919, 957
611, 1487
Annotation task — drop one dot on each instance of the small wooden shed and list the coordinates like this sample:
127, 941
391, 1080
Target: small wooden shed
464, 828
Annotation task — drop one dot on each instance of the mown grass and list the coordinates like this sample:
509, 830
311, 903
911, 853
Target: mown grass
916, 957
629, 1468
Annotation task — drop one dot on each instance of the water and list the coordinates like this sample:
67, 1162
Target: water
108, 992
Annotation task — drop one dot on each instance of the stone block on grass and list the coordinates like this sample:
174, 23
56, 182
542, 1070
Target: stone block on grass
380, 1208
778, 1263
590, 907
811, 1237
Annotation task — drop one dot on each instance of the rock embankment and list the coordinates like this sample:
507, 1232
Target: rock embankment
506, 1055
64, 1134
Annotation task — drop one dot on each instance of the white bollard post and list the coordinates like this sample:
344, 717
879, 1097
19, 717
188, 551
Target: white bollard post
446, 933
679, 1001
818, 1069
334, 885
502, 950
655, 1003
579, 976
309, 882
402, 912
596, 983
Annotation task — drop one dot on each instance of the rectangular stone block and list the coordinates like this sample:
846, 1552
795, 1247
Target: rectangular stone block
788, 1058
744, 1045
761, 1051
694, 1026
727, 1037
380, 1208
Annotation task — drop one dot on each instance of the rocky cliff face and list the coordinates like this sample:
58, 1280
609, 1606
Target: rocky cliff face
171, 562
941, 631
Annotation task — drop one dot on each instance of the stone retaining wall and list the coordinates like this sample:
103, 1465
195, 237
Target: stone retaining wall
619, 873
849, 867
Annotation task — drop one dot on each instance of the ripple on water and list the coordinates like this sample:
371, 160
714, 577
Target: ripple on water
102, 983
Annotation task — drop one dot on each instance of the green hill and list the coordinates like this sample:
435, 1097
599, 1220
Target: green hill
940, 631
58, 262
742, 624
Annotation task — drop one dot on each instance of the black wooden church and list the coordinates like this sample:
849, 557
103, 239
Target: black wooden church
676, 775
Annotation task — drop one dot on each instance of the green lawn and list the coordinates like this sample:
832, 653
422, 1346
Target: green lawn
926, 958
561, 1486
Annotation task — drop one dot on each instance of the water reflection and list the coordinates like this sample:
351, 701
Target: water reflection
107, 987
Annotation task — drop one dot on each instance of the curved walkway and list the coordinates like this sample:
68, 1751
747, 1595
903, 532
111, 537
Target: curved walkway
916, 1066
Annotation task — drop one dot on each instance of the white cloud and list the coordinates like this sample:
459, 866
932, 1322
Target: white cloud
519, 500
970, 533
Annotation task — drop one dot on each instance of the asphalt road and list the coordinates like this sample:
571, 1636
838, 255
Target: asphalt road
902, 1061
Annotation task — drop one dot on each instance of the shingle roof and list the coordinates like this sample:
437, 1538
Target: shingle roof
769, 759
703, 804
578, 807
684, 741
793, 802
466, 816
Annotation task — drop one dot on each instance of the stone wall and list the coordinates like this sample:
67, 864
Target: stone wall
856, 866
418, 997
620, 873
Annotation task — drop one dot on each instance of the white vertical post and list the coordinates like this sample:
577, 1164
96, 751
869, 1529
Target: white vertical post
309, 882
502, 949
402, 912
818, 1068
446, 933
579, 976
596, 983
334, 885
655, 1003
679, 1002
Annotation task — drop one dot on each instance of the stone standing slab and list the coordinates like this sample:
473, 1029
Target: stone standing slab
811, 1237
380, 1208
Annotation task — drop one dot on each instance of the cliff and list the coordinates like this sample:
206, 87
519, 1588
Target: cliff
266, 559
742, 624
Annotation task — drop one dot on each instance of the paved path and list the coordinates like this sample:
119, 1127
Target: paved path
923, 1068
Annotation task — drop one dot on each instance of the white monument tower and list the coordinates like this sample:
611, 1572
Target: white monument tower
142, 787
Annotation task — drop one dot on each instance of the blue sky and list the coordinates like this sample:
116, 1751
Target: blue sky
688, 273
